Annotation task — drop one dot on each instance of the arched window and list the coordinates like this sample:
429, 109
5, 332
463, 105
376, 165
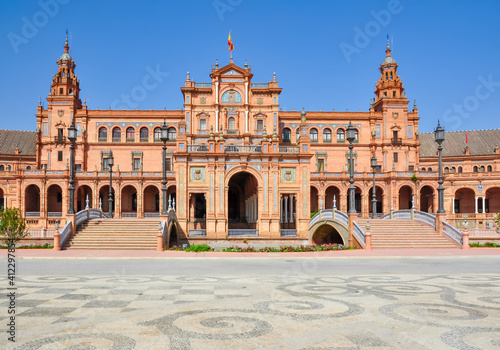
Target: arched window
429, 169
423, 170
103, 134
453, 169
327, 135
130, 133
313, 135
481, 169
144, 134
9, 167
231, 125
459, 169
356, 140
340, 136
172, 134
446, 170
475, 169
2, 168
157, 135
28, 167
117, 134
287, 135
297, 135
490, 169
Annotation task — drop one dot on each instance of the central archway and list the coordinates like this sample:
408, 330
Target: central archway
242, 201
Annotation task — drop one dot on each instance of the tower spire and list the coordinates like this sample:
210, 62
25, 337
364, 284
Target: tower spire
66, 45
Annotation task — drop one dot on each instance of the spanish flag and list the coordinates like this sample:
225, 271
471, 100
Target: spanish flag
230, 42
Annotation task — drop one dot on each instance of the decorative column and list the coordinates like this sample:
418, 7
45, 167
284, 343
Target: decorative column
475, 204
285, 204
291, 208
484, 204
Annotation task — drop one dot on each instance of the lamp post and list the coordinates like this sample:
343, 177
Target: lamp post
351, 136
110, 196
374, 189
72, 139
439, 138
164, 139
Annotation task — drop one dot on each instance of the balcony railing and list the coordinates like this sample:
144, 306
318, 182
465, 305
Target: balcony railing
197, 148
130, 139
103, 139
242, 233
54, 214
117, 139
288, 232
260, 85
233, 132
32, 214
203, 85
197, 233
60, 139
396, 141
288, 149
144, 139
243, 149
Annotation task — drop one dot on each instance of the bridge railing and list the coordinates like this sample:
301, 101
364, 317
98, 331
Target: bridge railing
88, 214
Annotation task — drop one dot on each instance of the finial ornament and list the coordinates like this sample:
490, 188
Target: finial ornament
188, 78
246, 64
39, 100
216, 63
415, 104
274, 76
388, 42
303, 115
84, 100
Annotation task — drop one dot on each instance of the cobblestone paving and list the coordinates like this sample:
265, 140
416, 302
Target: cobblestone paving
257, 312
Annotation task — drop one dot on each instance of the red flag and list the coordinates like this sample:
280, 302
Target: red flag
466, 138
230, 42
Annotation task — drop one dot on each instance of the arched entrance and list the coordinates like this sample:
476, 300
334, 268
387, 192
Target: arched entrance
404, 200
129, 201
104, 199
327, 234
242, 202
493, 200
330, 193
2, 202
357, 200
313, 199
54, 201
82, 193
173, 236
379, 195
427, 199
464, 201
32, 201
151, 204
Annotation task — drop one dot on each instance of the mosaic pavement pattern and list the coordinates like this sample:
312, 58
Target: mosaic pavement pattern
270, 312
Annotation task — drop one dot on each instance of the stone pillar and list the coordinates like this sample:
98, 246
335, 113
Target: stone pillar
285, 205
475, 204
484, 204
291, 208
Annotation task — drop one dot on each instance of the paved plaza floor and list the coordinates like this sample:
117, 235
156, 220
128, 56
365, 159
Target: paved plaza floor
293, 305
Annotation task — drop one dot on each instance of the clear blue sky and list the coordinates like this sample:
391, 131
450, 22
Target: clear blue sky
448, 52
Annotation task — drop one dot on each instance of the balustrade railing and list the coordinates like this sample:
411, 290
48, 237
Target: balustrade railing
243, 149
242, 232
197, 148
340, 217
288, 233
197, 233
54, 214
32, 214
288, 149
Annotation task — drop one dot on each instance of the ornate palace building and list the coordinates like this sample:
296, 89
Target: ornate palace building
239, 165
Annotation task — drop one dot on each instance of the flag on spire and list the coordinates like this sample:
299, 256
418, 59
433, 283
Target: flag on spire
230, 42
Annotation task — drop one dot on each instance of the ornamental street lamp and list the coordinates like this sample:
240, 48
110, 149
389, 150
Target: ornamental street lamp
72, 138
110, 196
375, 168
351, 136
164, 139
439, 138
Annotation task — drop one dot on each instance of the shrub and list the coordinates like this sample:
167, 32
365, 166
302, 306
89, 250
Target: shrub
199, 248
314, 213
12, 226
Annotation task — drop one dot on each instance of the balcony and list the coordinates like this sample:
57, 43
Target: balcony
243, 149
203, 85
60, 139
288, 149
197, 148
117, 139
233, 132
397, 141
103, 139
144, 139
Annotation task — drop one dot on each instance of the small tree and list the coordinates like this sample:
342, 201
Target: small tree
12, 226
496, 221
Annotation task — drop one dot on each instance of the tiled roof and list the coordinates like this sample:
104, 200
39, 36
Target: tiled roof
25, 140
481, 142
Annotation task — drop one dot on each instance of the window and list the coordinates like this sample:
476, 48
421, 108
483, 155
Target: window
60, 91
104, 164
460, 169
355, 136
231, 124
144, 134
2, 168
45, 129
297, 135
9, 168
423, 170
429, 169
28, 167
340, 136
321, 165
394, 92
60, 135
475, 169
168, 164
481, 169
130, 133
490, 168
260, 124
453, 169
103, 134
59, 156
287, 134
203, 124
327, 135
136, 164
172, 134
78, 167
395, 157
446, 170
411, 168
117, 134
157, 135
313, 135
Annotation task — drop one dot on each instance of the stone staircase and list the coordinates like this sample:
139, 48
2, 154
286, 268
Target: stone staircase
405, 234
128, 233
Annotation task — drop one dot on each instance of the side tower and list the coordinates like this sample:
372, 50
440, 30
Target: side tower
53, 123
394, 127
